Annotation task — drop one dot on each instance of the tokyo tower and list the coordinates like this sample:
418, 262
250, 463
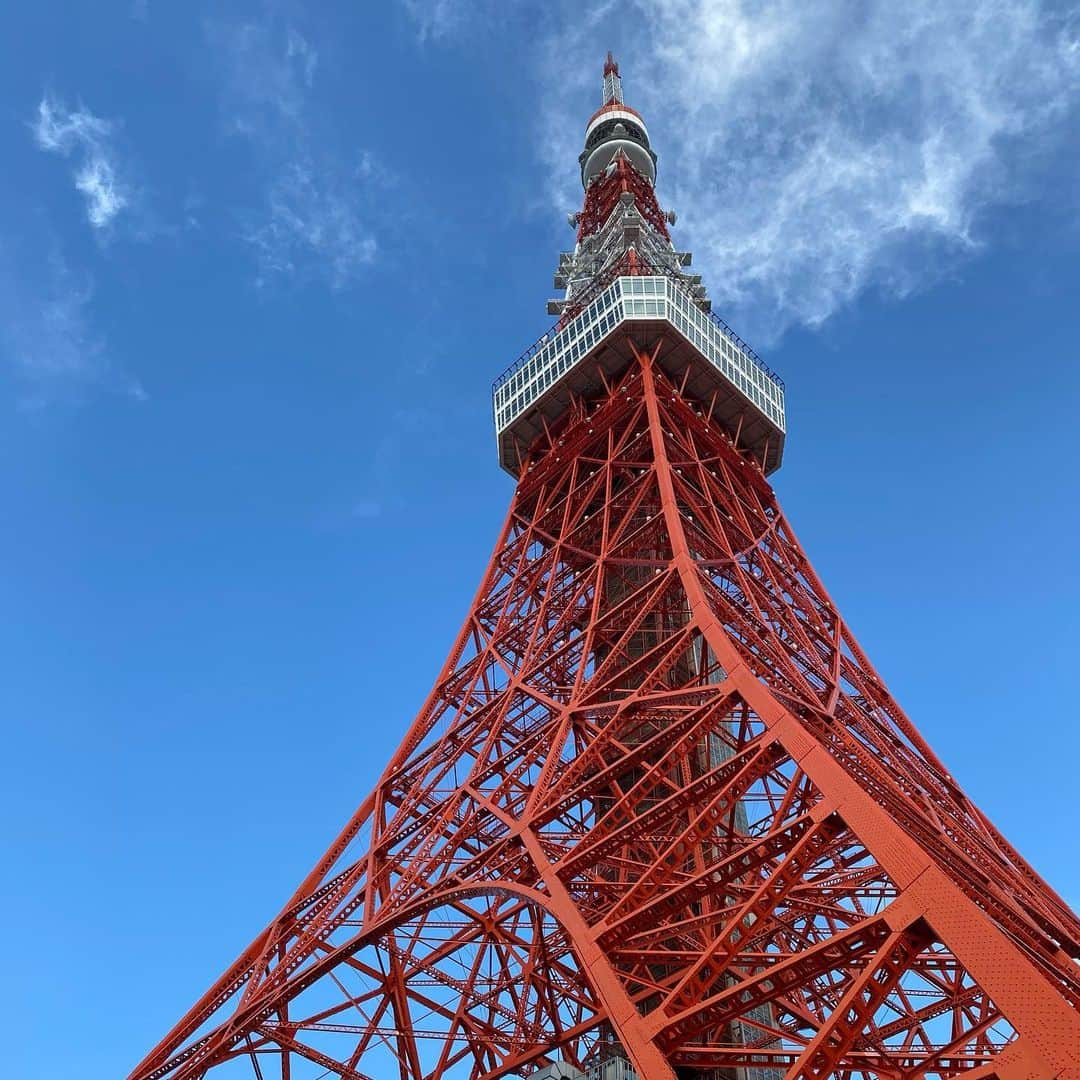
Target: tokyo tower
659, 816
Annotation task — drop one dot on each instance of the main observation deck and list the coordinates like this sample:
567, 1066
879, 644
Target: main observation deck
724, 373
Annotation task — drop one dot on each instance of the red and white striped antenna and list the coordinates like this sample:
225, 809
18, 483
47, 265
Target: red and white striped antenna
612, 81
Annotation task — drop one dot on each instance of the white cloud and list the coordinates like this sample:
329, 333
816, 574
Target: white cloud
302, 56
311, 221
96, 179
813, 150
308, 219
49, 339
436, 18
81, 134
46, 334
267, 71
60, 129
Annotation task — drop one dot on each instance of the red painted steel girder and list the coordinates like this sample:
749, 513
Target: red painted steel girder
602, 196
657, 791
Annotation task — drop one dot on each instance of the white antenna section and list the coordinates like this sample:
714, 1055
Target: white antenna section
612, 81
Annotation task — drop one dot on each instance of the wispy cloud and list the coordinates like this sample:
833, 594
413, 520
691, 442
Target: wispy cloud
48, 331
309, 219
312, 219
50, 343
79, 134
818, 151
48, 337
436, 18
813, 151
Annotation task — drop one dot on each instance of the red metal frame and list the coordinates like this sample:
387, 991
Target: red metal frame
658, 791
602, 195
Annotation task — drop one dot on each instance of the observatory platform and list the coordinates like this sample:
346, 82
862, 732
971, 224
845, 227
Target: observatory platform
724, 373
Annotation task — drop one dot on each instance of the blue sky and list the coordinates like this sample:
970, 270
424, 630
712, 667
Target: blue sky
259, 263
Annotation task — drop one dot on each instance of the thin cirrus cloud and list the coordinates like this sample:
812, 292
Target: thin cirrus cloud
813, 151
310, 220
79, 134
816, 152
436, 18
48, 336
46, 327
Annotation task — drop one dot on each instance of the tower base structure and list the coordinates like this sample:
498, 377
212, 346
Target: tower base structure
658, 792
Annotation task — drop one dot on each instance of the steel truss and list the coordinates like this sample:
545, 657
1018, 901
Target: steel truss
657, 789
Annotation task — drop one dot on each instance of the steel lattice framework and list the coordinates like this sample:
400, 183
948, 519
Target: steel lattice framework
659, 796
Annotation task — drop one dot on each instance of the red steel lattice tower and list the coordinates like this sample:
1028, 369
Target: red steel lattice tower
659, 816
